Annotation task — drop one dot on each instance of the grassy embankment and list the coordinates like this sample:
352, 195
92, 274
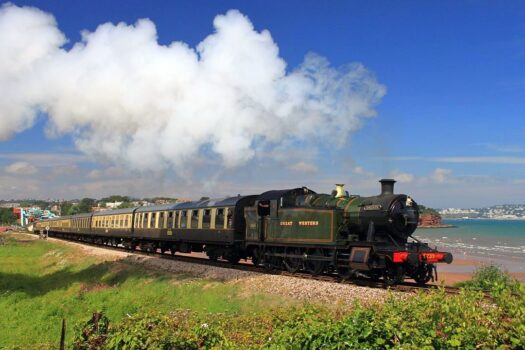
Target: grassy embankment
42, 282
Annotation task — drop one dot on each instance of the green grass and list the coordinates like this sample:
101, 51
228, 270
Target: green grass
43, 282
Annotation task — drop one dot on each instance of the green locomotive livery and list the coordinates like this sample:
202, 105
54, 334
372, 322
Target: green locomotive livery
294, 229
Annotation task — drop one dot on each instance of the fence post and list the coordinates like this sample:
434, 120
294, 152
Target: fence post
63, 335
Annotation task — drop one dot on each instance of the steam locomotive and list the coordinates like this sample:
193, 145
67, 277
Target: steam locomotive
293, 229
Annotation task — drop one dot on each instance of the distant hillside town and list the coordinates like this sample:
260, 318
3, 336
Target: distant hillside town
504, 211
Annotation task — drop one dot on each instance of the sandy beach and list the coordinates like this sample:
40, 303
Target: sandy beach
463, 269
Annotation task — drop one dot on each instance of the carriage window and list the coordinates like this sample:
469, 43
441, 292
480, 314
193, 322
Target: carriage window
152, 220
126, 221
183, 220
161, 219
170, 219
194, 219
219, 218
144, 220
206, 218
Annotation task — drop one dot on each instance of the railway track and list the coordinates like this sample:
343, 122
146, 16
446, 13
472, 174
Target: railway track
406, 287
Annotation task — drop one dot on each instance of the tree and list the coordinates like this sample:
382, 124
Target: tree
7, 217
85, 205
73, 210
65, 207
125, 205
426, 210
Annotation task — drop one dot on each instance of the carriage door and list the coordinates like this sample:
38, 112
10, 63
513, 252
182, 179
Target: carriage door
263, 211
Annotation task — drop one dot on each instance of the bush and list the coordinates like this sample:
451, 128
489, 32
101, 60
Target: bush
491, 278
427, 321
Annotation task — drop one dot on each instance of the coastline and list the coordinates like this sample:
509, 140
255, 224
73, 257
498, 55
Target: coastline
437, 226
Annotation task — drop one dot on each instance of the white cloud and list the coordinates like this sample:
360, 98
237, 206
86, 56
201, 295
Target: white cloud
467, 159
94, 174
127, 99
46, 159
21, 168
303, 167
504, 148
402, 177
441, 175
487, 160
358, 170
27, 36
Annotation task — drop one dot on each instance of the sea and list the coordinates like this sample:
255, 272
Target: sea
499, 242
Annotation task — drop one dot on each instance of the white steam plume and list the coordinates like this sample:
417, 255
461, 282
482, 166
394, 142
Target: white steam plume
129, 100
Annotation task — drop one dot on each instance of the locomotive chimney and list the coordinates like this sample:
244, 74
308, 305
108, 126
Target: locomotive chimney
340, 190
387, 186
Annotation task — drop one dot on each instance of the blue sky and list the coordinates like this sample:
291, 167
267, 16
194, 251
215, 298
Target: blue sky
450, 126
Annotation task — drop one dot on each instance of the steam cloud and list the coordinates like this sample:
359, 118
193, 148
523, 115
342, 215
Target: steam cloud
127, 99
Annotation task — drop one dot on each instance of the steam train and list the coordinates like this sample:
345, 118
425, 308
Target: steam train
293, 229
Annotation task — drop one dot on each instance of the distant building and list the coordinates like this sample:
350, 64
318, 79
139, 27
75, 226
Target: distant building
9, 205
28, 215
113, 205
97, 209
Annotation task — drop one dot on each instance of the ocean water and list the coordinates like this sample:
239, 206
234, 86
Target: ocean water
498, 241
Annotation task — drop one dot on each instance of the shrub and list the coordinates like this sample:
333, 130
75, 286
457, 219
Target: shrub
491, 278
